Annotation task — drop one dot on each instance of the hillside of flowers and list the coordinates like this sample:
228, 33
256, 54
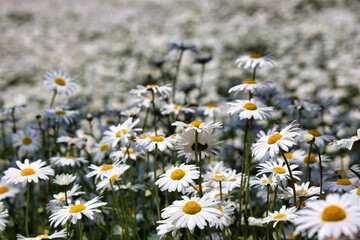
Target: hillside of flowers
244, 127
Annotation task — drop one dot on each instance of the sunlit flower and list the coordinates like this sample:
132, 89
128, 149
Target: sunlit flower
59, 199
8, 190
191, 212
347, 142
248, 109
211, 110
121, 132
103, 171
254, 60
60, 81
320, 139
178, 178
249, 86
163, 91
342, 184
123, 154
284, 214
79, 143
55, 235
175, 109
330, 218
99, 151
225, 219
264, 182
64, 179
74, 212
3, 215
279, 170
28, 172
28, 141
67, 161
61, 114
199, 126
303, 190
161, 142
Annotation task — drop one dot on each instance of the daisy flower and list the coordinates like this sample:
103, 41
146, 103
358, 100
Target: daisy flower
28, 141
59, 81
99, 151
279, 170
178, 178
79, 143
347, 142
28, 172
218, 176
250, 109
320, 139
110, 177
211, 110
225, 219
161, 142
175, 109
303, 190
194, 190
58, 199
7, 190
67, 161
74, 212
254, 60
103, 171
263, 182
121, 132
313, 160
123, 154
55, 235
342, 185
64, 179
163, 91
284, 140
61, 114
164, 227
284, 214
356, 192
3, 215
191, 212
249, 86
330, 218
199, 126
208, 145
234, 182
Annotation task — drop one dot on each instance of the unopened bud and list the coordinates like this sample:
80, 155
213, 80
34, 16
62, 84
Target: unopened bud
179, 129
309, 138
89, 117
148, 193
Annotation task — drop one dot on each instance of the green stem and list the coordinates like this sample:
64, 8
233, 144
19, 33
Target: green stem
291, 176
247, 163
156, 189
275, 196
13, 120
154, 111
321, 173
27, 210
198, 163
307, 175
221, 196
53, 99
80, 230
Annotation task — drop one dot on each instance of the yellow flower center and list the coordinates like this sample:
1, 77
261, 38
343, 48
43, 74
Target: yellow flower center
104, 147
219, 208
42, 235
279, 170
315, 133
274, 138
106, 167
333, 213
197, 188
279, 216
26, 140
255, 55
175, 107
124, 131
60, 81
3, 190
60, 113
343, 181
77, 208
357, 191
217, 176
152, 86
249, 82
250, 106
299, 192
311, 160
266, 181
196, 123
157, 139
191, 208
232, 180
212, 105
69, 157
109, 122
288, 156
113, 177
127, 152
337, 171
62, 198
27, 172
177, 174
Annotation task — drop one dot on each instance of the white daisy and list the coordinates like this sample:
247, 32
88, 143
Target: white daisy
284, 214
55, 235
191, 212
178, 178
208, 145
342, 185
28, 172
28, 141
79, 143
121, 132
250, 109
284, 140
199, 126
164, 227
99, 150
279, 170
123, 154
225, 219
8, 190
3, 215
263, 182
102, 171
64, 179
59, 199
330, 218
109, 179
61, 114
320, 139
254, 60
175, 109
163, 91
75, 212
313, 160
347, 142
211, 110
356, 192
161, 142
249, 86
67, 161
60, 81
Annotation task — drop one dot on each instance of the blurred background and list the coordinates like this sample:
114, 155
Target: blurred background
106, 45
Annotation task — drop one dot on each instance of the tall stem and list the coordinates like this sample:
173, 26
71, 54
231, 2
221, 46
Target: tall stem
321, 173
291, 176
156, 189
13, 120
308, 165
154, 111
198, 163
80, 230
27, 210
53, 99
